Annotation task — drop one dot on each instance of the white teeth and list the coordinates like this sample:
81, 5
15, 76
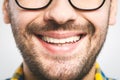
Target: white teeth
61, 41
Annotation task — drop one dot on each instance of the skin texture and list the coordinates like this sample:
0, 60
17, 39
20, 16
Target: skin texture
59, 18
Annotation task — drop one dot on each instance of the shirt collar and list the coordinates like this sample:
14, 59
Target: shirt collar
99, 75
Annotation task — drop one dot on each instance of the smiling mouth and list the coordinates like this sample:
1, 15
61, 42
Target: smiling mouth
61, 41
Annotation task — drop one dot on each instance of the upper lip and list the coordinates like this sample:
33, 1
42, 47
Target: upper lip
61, 34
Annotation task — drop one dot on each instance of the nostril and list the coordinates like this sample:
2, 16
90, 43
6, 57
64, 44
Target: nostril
59, 17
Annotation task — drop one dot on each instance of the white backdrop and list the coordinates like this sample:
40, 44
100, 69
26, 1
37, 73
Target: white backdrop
10, 57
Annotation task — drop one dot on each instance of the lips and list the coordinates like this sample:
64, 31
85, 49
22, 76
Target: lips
58, 42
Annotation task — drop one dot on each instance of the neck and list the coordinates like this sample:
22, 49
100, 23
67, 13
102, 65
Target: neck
27, 73
91, 74
29, 76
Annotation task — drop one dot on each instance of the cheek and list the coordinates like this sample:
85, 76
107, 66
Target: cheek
24, 18
21, 16
99, 19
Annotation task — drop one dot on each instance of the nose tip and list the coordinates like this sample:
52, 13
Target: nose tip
60, 13
60, 18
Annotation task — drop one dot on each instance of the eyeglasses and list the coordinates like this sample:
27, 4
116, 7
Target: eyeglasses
86, 5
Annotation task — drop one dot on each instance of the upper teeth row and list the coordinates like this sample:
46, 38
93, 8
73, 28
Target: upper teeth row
61, 41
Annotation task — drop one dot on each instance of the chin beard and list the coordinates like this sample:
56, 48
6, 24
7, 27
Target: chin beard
73, 73
77, 71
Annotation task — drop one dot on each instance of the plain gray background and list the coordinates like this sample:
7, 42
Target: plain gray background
10, 58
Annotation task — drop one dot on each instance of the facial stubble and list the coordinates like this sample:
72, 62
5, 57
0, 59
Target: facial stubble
76, 71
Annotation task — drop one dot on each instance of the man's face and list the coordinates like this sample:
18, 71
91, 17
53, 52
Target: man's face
59, 42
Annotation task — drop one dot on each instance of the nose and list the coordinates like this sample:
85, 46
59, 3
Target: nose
60, 12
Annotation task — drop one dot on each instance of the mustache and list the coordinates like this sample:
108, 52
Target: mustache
53, 26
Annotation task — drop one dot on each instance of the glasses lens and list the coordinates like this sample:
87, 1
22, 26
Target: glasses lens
86, 4
33, 3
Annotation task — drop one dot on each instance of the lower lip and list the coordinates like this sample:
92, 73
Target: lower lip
60, 49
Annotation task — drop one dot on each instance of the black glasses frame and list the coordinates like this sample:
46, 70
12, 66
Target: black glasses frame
69, 2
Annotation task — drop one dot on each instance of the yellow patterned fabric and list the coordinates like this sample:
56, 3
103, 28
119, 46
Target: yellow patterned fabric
98, 76
18, 74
